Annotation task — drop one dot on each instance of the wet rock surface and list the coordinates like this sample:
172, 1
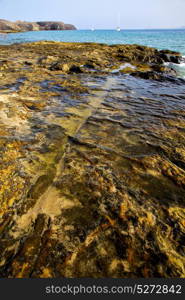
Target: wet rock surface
92, 162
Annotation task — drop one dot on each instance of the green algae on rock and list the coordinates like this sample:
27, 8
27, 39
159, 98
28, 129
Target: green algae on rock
92, 162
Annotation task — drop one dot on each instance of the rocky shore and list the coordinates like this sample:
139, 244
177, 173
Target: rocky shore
92, 162
21, 26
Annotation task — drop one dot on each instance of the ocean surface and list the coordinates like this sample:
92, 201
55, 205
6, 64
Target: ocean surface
160, 39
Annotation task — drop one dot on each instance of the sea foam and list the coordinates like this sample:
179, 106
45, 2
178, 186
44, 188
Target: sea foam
180, 68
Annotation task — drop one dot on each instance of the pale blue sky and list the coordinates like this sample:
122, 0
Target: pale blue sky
98, 13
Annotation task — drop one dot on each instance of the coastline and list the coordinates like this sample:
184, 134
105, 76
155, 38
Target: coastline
9, 31
92, 163
23, 26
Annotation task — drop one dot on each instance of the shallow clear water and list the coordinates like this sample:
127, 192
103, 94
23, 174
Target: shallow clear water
161, 39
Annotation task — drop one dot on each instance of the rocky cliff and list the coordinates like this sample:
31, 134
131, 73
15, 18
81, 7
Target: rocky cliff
7, 26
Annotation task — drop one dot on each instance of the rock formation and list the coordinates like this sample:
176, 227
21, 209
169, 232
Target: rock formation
7, 26
92, 162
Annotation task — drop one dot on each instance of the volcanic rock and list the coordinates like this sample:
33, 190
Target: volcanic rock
8, 26
92, 163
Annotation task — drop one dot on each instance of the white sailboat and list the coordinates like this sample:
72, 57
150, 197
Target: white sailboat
119, 22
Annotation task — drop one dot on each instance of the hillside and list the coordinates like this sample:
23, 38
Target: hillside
8, 26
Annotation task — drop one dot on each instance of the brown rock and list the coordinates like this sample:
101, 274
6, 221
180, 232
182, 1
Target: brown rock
8, 26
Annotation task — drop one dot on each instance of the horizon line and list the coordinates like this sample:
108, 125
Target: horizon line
164, 28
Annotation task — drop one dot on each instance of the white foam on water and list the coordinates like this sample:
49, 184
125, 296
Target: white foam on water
180, 68
122, 67
182, 65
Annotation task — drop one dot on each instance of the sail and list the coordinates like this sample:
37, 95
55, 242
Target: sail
119, 23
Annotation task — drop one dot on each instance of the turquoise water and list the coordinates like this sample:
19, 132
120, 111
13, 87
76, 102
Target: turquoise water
161, 39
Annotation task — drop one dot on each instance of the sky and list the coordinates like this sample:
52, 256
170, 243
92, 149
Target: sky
101, 14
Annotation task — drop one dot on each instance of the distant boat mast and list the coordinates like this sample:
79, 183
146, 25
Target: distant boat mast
119, 23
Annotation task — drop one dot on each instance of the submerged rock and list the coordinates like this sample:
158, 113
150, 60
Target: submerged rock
151, 75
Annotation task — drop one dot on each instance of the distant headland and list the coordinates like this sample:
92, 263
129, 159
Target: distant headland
21, 26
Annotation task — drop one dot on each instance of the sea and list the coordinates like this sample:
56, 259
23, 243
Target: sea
172, 39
